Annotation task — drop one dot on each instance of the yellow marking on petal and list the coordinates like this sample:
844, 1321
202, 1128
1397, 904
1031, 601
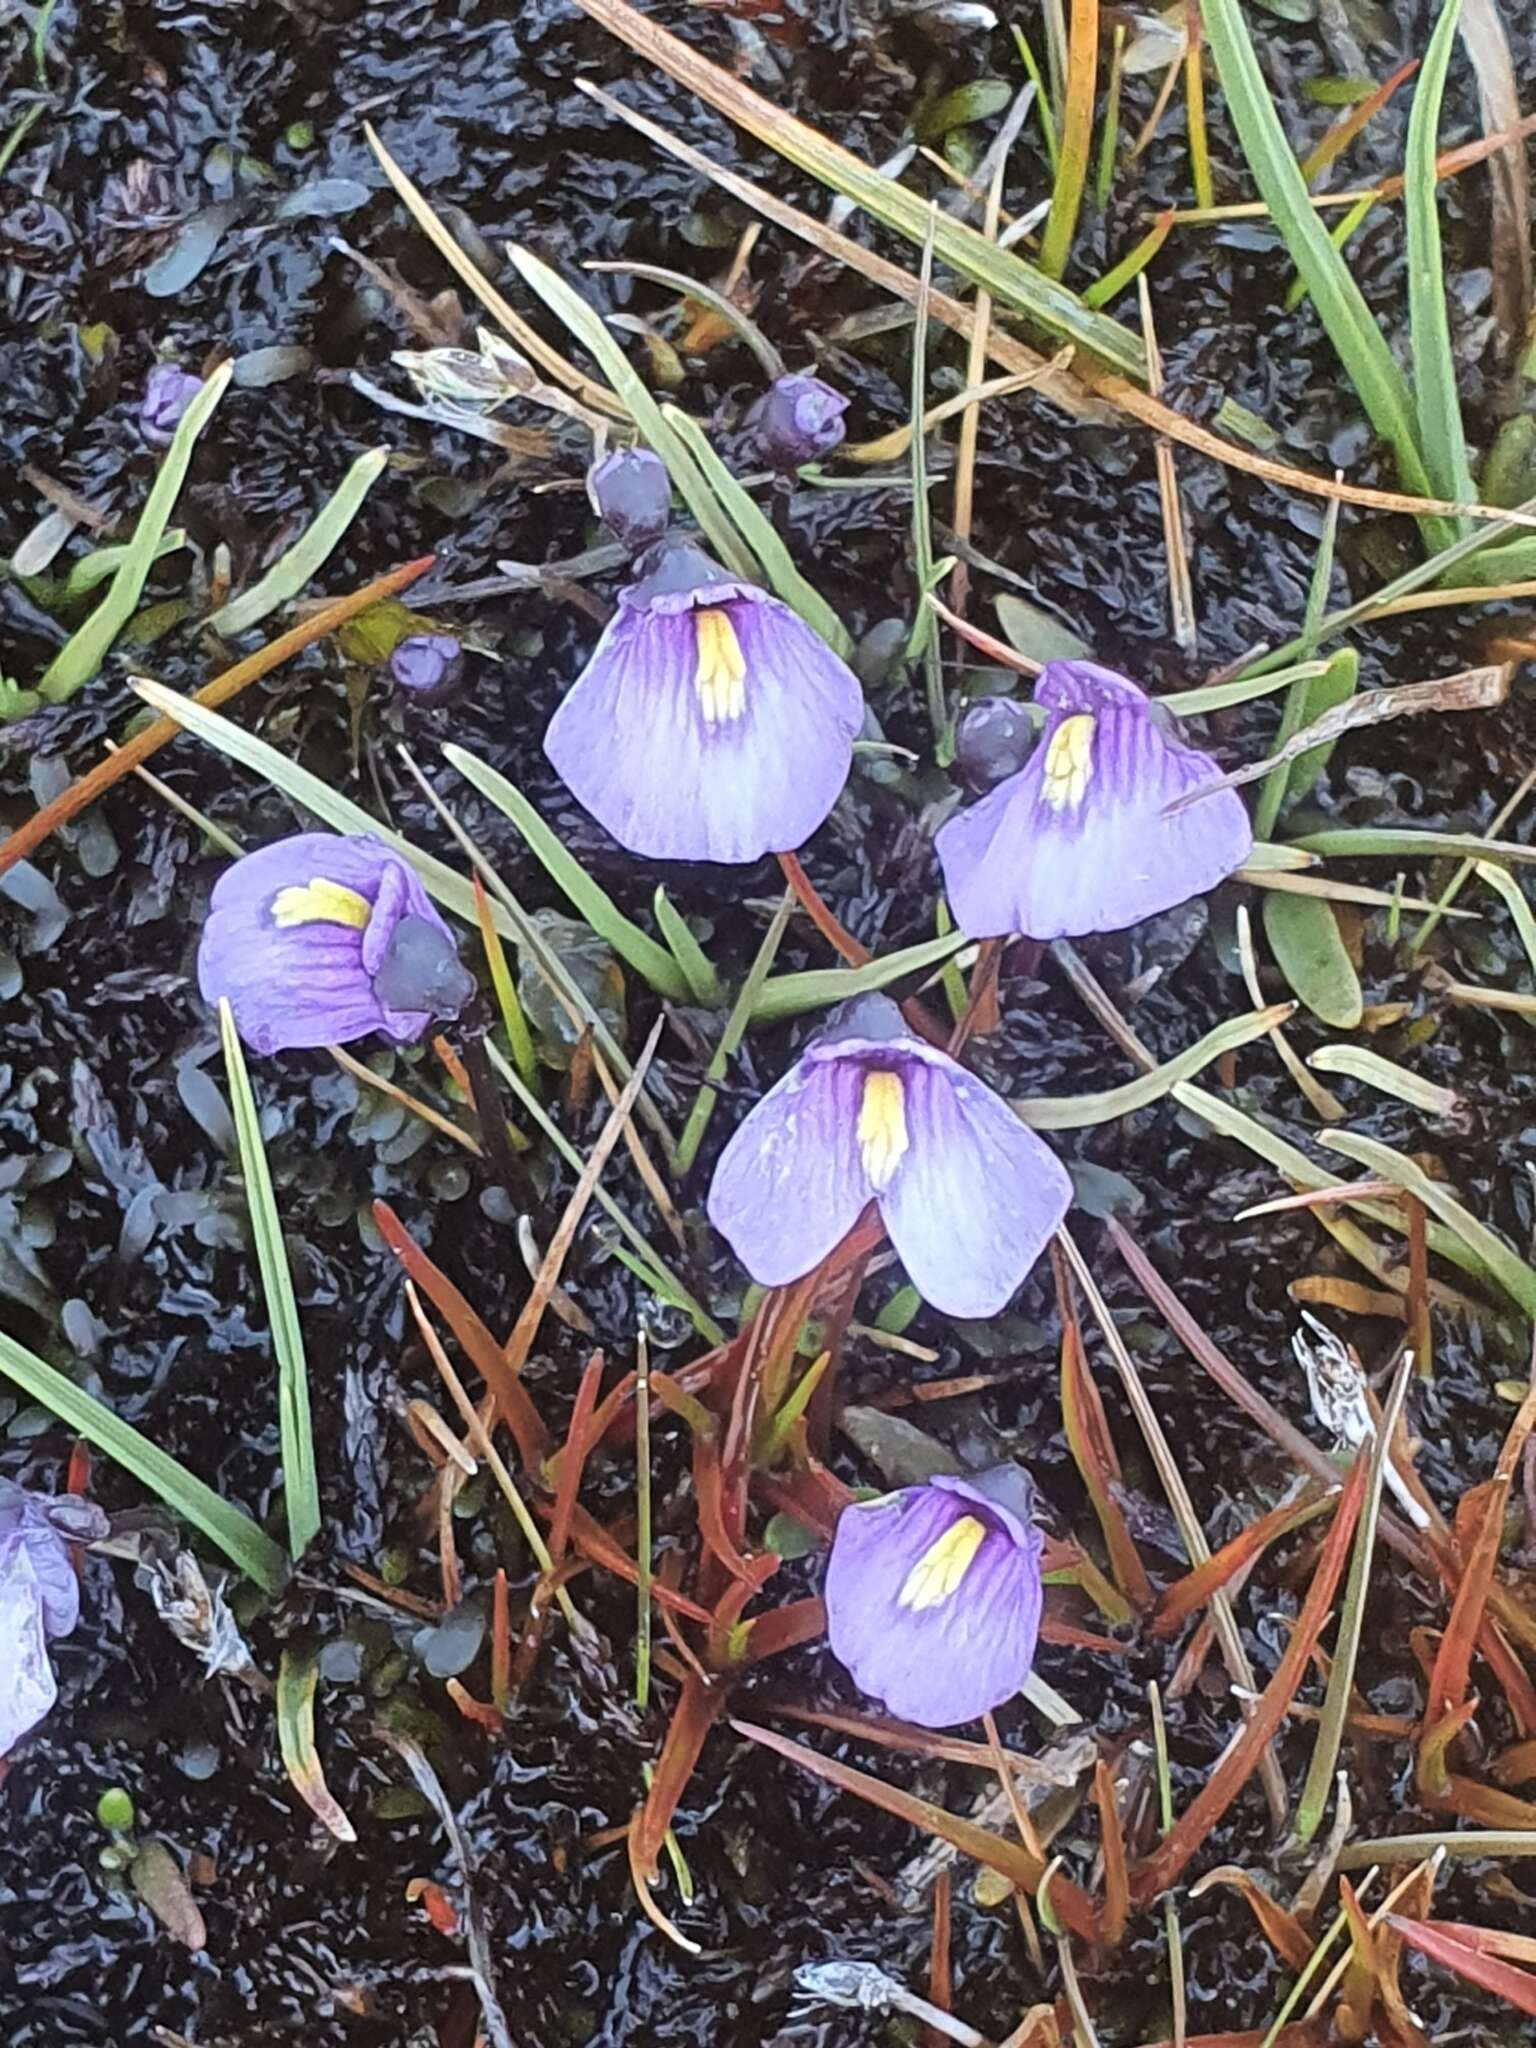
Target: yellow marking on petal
1069, 762
320, 902
721, 675
937, 1574
882, 1125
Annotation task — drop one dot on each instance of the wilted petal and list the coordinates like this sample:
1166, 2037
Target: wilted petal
674, 777
790, 1184
933, 1601
27, 1688
977, 1194
1080, 840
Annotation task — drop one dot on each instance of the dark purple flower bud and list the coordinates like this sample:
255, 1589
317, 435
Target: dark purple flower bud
168, 391
969, 1196
320, 939
993, 741
1082, 838
798, 419
933, 1596
427, 664
711, 723
632, 494
39, 1597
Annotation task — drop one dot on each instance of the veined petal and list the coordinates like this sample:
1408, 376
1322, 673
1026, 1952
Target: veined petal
745, 765
27, 1688
790, 1184
936, 1621
1079, 840
976, 1195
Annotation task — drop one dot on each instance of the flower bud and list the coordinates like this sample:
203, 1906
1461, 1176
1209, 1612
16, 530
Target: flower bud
427, 664
797, 420
993, 741
632, 494
168, 391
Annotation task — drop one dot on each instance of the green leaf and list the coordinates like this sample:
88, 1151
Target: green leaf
1336, 685
301, 1486
1360, 1064
593, 902
1359, 343
297, 1676
787, 995
1384, 843
85, 650
309, 553
1514, 898
757, 532
687, 952
588, 327
1516, 1278
1075, 1112
1036, 634
979, 101
1304, 936
1434, 363
243, 1541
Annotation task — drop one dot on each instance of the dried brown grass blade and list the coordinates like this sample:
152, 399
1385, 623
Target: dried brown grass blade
1487, 44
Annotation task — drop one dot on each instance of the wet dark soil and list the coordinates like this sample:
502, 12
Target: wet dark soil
120, 1223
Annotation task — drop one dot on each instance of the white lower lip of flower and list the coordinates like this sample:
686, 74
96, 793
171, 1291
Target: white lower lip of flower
883, 1138
1068, 767
721, 675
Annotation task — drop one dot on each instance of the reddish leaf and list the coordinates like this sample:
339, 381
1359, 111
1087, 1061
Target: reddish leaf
1186, 1595
1516, 1987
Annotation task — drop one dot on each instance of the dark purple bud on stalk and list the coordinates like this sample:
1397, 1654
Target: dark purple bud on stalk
993, 741
632, 494
168, 391
427, 664
798, 419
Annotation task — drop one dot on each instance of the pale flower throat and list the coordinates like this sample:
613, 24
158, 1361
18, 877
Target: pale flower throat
1069, 762
320, 902
882, 1126
938, 1572
721, 675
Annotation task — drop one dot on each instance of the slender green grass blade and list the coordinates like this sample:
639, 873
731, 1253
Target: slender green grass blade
1031, 65
1335, 686
1076, 139
1217, 696
1341, 1679
513, 1021
759, 537
1304, 936
585, 323
923, 640
1514, 899
301, 1485
1077, 1112
85, 650
735, 1031
594, 903
1109, 139
298, 1675
1361, 1064
1358, 342
787, 995
1296, 714
1356, 842
309, 553
243, 1541
84, 575
1434, 363
1513, 1275
690, 956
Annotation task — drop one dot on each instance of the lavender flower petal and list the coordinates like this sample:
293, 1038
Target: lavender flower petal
976, 1197
933, 1601
1079, 840
311, 982
710, 724
790, 1184
27, 1688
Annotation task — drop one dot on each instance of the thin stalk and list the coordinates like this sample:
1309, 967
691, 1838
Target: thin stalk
1171, 1926
730, 1038
1194, 97
642, 1522
1293, 717
1109, 140
923, 641
1454, 887
1076, 138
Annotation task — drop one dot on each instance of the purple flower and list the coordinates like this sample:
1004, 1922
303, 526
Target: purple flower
798, 419
318, 939
39, 1597
632, 494
1080, 840
933, 1595
711, 722
168, 391
427, 664
968, 1194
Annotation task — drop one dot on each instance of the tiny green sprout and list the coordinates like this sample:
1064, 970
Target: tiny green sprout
114, 1810
300, 135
